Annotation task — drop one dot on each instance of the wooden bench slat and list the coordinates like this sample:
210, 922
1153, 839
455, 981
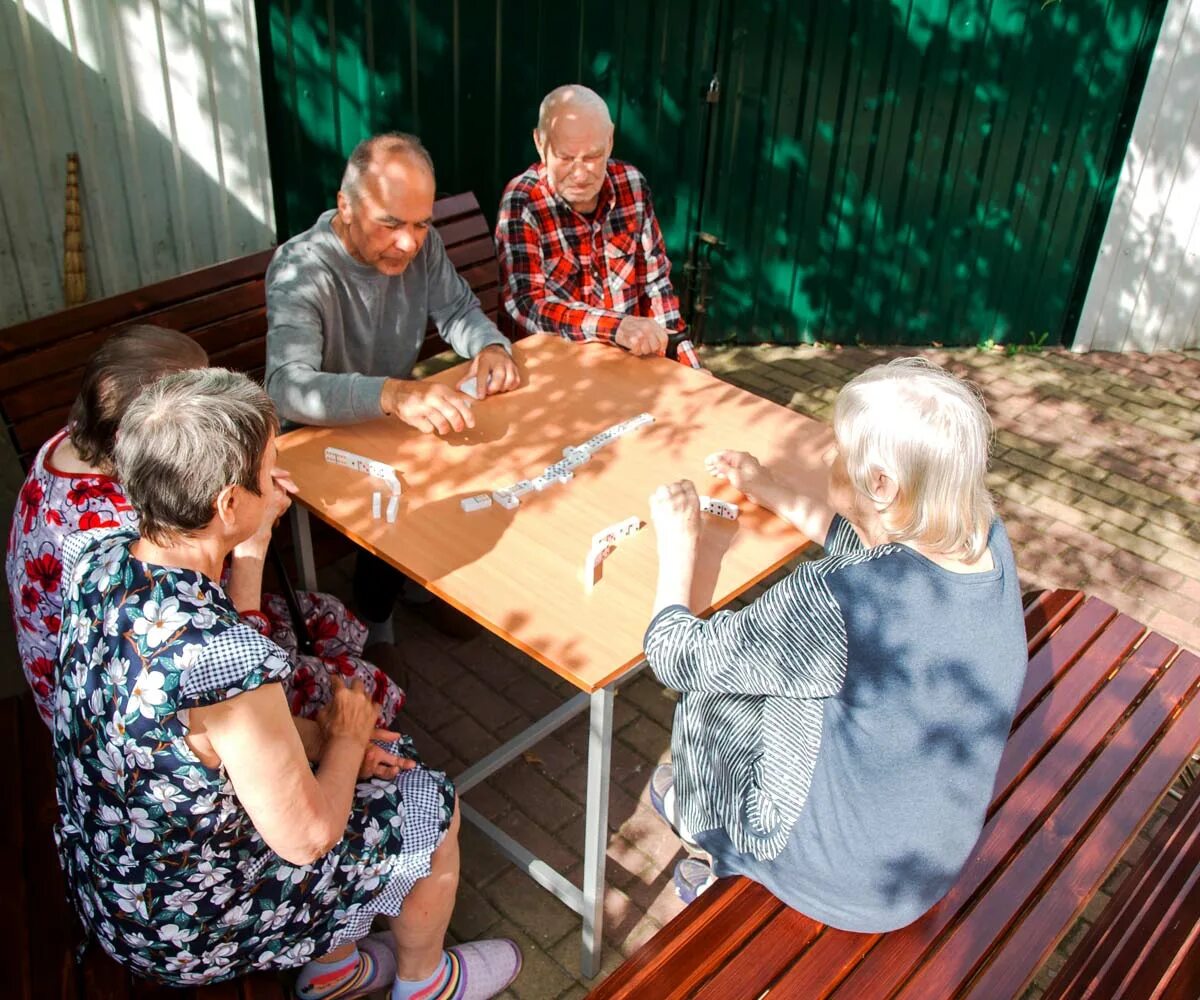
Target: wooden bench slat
1060, 651
14, 922
742, 907
454, 205
1148, 922
769, 952
1038, 804
1085, 670
1046, 613
1063, 899
128, 306
472, 227
824, 966
29, 434
240, 358
474, 252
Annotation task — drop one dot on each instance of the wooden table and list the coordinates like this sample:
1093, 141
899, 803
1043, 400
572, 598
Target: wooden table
520, 573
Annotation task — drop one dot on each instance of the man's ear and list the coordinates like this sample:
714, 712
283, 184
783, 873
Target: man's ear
227, 505
537, 142
612, 131
345, 209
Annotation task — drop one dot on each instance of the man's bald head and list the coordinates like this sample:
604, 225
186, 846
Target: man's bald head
571, 100
372, 154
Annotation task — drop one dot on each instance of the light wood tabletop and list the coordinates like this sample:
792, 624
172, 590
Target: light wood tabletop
521, 572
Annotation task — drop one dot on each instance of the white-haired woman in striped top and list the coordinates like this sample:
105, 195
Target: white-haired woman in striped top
837, 739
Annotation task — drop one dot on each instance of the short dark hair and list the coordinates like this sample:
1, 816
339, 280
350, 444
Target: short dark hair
183, 440
386, 143
125, 364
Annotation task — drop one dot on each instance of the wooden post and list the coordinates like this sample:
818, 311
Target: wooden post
74, 269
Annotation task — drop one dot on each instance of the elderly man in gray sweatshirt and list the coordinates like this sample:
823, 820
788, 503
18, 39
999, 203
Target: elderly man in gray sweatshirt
348, 302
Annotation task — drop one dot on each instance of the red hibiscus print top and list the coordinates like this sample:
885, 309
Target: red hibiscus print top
52, 504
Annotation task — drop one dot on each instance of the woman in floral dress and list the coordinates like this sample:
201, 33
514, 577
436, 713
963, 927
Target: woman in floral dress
70, 488
197, 840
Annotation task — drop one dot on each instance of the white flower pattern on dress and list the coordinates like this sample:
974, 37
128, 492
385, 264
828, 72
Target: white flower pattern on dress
165, 866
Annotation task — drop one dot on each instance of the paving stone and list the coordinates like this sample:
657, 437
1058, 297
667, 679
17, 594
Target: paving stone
527, 905
648, 738
540, 976
531, 791
473, 915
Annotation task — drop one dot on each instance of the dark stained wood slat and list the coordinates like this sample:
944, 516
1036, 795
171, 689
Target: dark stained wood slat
241, 358
733, 910
824, 966
765, 956
14, 920
35, 396
29, 434
104, 979
1063, 898
474, 252
1048, 611
130, 305
232, 331
1147, 923
471, 227
1057, 654
454, 205
1040, 727
1036, 813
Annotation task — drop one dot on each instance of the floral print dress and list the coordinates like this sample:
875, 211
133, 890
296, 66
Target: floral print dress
165, 866
54, 504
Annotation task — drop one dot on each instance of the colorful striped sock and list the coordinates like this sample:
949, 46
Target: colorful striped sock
329, 980
442, 985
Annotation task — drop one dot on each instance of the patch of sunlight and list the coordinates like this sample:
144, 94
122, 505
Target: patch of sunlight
600, 63
788, 152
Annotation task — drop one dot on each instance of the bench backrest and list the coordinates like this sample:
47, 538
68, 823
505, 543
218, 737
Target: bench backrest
222, 306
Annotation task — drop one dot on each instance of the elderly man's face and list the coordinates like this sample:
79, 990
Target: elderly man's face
387, 222
575, 150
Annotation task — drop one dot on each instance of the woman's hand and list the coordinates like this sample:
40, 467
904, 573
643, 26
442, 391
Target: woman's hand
741, 470
379, 763
350, 715
277, 504
675, 511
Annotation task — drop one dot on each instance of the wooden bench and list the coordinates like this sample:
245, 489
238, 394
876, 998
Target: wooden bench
1146, 942
41, 363
223, 307
1107, 719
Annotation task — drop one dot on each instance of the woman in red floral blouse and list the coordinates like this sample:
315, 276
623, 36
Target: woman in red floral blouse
69, 488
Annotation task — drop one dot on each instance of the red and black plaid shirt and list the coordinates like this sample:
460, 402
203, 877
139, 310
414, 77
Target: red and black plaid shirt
580, 275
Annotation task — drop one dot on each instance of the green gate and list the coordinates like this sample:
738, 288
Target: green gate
908, 172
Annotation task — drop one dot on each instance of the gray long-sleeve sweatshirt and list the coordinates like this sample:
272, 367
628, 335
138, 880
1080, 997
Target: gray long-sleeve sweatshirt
338, 329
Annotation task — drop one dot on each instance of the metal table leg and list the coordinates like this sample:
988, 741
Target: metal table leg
595, 843
302, 536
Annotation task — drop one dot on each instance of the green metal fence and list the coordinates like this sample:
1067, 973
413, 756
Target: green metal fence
908, 172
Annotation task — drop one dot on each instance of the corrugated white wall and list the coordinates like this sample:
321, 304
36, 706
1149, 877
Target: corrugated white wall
162, 100
1145, 289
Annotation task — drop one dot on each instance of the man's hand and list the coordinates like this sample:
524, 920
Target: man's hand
642, 336
494, 371
430, 407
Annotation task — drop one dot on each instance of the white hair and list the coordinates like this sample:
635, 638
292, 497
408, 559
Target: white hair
570, 95
382, 145
929, 432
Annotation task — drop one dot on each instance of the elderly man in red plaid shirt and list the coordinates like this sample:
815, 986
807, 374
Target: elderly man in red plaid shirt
581, 254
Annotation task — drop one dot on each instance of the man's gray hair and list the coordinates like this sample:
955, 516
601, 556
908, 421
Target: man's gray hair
570, 95
385, 144
183, 440
930, 433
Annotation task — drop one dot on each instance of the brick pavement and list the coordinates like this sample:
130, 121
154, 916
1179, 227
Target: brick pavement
1097, 475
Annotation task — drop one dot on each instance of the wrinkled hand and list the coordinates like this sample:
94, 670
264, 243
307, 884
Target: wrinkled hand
350, 714
430, 407
743, 471
494, 371
378, 762
642, 336
675, 512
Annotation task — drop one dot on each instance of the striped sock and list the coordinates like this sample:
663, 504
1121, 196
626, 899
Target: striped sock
444, 984
328, 980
